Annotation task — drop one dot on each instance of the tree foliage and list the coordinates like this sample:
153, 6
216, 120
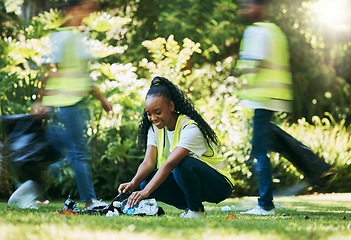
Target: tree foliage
320, 59
195, 44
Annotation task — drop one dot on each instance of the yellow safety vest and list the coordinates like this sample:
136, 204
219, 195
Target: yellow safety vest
272, 80
216, 160
71, 83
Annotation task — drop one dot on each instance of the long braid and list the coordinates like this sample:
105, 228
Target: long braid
143, 130
184, 106
163, 87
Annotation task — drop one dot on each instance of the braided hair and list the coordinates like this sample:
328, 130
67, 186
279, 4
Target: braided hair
161, 86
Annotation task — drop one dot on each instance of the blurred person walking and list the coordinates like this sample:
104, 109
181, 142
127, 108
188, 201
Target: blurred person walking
264, 64
64, 90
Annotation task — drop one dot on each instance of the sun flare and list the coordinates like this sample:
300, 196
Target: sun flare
333, 13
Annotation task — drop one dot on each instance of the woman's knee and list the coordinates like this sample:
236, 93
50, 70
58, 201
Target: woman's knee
186, 163
147, 180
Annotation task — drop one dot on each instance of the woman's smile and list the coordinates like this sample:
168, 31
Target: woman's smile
160, 112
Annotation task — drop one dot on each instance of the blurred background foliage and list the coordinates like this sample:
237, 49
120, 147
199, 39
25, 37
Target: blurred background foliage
195, 44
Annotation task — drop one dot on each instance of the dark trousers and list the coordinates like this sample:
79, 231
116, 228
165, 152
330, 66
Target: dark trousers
268, 137
189, 184
260, 148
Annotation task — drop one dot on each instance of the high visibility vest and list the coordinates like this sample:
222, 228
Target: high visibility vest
71, 83
272, 77
216, 160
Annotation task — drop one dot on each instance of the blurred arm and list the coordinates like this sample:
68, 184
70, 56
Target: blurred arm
106, 105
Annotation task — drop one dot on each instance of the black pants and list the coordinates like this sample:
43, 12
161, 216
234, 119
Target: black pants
301, 156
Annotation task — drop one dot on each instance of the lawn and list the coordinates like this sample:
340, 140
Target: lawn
323, 216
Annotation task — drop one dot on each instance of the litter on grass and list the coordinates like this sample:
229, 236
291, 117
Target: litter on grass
117, 207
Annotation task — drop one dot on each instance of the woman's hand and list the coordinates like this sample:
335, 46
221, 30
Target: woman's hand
136, 197
125, 187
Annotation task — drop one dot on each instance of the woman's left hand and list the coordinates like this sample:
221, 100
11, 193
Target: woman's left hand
136, 197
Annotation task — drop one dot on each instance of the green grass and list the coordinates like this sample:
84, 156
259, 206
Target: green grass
326, 216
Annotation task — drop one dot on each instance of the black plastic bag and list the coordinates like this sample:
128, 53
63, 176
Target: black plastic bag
317, 171
26, 140
27, 145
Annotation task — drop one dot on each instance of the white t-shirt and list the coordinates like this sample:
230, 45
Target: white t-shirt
58, 39
256, 42
191, 138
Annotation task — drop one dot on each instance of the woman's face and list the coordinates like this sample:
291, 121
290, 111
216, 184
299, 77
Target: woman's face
160, 112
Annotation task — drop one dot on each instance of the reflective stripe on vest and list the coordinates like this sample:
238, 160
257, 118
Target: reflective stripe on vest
270, 78
71, 83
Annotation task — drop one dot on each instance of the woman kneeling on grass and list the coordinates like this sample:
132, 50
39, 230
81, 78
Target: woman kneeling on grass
181, 144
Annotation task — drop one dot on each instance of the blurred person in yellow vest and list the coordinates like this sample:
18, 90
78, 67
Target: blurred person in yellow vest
264, 67
64, 90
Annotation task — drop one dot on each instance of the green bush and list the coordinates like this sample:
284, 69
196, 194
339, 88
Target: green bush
330, 140
209, 84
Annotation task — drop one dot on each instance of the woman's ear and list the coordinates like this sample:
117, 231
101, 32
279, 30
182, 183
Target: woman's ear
171, 106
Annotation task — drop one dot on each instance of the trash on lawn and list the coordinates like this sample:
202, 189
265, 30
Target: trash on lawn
226, 209
117, 207
231, 216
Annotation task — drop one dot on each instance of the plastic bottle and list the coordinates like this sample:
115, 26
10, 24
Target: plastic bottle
130, 211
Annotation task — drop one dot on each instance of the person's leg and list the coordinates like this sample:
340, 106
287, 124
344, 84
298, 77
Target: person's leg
55, 132
314, 168
261, 131
168, 192
74, 119
200, 182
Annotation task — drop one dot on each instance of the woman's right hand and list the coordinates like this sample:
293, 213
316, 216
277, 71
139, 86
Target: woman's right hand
125, 187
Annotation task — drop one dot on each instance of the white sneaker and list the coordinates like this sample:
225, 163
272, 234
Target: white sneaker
192, 214
259, 211
183, 214
96, 204
26, 195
